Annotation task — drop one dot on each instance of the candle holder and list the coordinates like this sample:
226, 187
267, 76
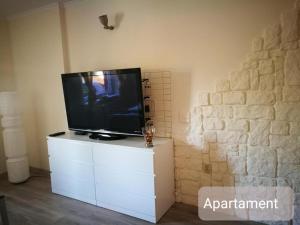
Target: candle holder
148, 132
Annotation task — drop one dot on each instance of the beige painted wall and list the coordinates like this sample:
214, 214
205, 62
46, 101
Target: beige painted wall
38, 61
6, 66
6, 74
201, 37
201, 40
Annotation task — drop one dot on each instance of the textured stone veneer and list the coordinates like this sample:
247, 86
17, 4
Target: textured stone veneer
247, 132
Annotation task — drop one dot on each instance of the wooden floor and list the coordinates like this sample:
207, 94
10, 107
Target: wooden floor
32, 203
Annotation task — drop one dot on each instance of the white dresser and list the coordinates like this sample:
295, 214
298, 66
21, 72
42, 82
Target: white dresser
121, 175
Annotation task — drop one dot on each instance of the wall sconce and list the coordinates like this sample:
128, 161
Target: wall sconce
104, 21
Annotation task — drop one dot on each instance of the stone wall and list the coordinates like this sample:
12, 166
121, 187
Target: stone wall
247, 132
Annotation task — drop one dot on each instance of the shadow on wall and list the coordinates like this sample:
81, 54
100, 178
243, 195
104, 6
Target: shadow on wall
118, 19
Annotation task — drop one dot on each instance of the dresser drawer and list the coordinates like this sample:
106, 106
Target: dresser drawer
140, 184
71, 168
131, 202
69, 150
126, 159
83, 190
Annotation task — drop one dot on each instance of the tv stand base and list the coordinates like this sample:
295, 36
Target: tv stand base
107, 137
80, 132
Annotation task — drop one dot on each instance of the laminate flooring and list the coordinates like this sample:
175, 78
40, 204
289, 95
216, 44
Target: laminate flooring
32, 203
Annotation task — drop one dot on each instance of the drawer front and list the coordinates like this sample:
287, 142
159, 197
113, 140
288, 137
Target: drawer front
124, 159
117, 199
83, 190
69, 150
70, 168
139, 184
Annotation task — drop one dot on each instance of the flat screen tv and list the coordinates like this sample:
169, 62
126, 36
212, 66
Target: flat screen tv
105, 102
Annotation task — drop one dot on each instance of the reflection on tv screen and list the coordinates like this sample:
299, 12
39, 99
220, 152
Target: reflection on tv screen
109, 100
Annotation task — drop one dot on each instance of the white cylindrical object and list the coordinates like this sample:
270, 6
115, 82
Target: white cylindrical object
13, 138
14, 142
9, 104
11, 121
18, 169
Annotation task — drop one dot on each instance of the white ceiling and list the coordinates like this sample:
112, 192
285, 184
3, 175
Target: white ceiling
11, 7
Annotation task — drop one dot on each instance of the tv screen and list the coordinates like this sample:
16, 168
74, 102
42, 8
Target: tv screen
107, 101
